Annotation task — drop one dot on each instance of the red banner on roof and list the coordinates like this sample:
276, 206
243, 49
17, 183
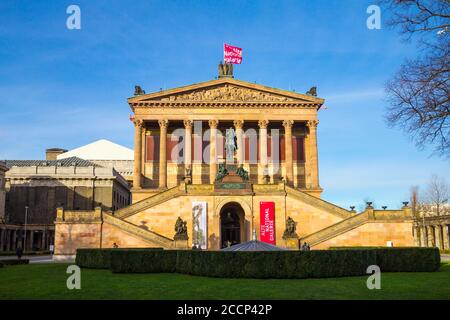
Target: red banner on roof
232, 54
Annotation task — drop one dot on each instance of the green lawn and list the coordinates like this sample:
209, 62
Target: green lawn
48, 281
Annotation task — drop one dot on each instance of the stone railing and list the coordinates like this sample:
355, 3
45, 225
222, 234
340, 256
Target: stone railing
199, 189
319, 203
150, 202
402, 214
79, 216
359, 219
336, 229
135, 230
268, 188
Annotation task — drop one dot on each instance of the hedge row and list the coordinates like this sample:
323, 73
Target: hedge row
25, 253
273, 264
101, 258
11, 262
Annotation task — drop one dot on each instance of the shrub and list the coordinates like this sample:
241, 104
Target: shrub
408, 259
270, 264
11, 262
143, 261
25, 253
274, 264
101, 258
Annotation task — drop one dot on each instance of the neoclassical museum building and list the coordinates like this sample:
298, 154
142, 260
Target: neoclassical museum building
219, 161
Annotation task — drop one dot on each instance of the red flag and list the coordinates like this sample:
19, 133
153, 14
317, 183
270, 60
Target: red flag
232, 54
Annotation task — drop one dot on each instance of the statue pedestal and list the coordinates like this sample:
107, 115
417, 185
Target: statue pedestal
232, 183
181, 244
291, 243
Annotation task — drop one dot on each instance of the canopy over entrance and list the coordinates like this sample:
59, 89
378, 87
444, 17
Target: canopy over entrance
253, 245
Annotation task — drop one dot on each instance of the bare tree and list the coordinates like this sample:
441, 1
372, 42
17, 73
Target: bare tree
418, 16
437, 193
419, 93
414, 200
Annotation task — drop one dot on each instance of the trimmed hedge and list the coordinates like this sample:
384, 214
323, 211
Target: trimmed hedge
142, 261
12, 262
25, 253
101, 258
276, 264
408, 259
273, 264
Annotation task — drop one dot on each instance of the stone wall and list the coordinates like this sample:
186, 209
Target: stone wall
374, 233
312, 215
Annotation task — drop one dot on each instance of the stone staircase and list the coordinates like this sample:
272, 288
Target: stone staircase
336, 229
149, 202
146, 235
319, 203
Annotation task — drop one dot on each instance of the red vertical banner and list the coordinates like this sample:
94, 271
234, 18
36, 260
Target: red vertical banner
267, 221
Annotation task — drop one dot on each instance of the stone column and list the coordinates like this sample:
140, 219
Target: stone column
238, 125
43, 247
313, 158
6, 239
424, 236
137, 171
1, 239
288, 161
445, 235
438, 232
14, 242
430, 232
262, 150
417, 236
163, 124
188, 143
212, 150
306, 144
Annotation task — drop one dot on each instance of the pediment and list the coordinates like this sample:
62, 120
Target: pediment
226, 90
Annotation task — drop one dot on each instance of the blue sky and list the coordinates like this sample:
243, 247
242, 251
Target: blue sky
66, 88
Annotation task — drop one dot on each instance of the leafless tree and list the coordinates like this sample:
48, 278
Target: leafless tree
419, 93
414, 200
437, 194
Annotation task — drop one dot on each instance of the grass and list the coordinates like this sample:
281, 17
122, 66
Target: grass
48, 281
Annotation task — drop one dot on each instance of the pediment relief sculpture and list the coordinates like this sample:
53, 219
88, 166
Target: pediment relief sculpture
226, 93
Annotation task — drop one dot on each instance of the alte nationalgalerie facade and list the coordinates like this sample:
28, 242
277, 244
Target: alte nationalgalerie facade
182, 170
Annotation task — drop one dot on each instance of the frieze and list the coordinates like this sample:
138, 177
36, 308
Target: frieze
226, 93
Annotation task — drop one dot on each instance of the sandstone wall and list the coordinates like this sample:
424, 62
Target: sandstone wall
374, 233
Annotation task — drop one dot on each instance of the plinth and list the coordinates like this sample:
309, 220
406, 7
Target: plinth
181, 244
232, 183
291, 243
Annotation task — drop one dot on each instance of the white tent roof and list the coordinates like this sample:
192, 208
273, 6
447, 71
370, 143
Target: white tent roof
100, 150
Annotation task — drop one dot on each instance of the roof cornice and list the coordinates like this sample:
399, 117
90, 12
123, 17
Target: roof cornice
202, 85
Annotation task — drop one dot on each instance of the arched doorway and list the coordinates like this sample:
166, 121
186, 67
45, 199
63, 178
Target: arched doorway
231, 224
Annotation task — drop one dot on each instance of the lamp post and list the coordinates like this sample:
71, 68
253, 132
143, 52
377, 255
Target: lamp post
25, 229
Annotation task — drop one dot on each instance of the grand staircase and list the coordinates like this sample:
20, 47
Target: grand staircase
146, 235
150, 202
336, 229
319, 203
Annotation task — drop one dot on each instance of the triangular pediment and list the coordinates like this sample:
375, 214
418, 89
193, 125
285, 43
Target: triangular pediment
226, 90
